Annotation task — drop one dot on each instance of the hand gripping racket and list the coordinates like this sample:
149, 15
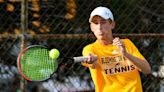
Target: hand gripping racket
34, 63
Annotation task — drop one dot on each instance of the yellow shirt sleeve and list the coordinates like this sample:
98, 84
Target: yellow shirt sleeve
134, 50
86, 51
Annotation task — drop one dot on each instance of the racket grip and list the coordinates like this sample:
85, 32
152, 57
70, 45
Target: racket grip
84, 58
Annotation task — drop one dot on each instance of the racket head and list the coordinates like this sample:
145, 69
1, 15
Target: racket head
34, 63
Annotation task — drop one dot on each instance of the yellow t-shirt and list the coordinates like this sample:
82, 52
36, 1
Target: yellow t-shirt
114, 73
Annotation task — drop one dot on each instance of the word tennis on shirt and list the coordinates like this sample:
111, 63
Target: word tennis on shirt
119, 69
115, 64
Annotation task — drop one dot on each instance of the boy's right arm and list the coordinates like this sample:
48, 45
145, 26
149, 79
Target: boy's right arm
92, 58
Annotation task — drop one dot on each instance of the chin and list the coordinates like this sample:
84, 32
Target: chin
100, 38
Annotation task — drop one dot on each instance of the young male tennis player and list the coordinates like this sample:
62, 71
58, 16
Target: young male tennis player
119, 60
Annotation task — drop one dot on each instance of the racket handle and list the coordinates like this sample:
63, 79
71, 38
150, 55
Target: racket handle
83, 58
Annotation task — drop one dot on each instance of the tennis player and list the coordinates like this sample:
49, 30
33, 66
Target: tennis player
119, 60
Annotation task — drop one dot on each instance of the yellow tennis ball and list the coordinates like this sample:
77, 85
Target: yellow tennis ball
54, 53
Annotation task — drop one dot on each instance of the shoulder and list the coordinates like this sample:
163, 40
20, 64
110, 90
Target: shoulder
89, 45
129, 44
88, 49
126, 40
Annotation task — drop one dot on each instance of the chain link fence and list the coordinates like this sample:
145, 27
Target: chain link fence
63, 24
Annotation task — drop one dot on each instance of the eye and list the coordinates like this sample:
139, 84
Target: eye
103, 21
95, 22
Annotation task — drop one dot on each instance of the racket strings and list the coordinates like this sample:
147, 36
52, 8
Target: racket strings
36, 64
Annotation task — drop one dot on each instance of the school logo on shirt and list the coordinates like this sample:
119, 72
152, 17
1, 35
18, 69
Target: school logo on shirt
116, 64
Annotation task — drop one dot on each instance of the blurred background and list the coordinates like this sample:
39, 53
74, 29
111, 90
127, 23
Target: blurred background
63, 24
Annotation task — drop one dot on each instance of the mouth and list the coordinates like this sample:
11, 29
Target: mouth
100, 34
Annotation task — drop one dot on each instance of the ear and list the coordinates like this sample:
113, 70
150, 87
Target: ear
91, 27
113, 24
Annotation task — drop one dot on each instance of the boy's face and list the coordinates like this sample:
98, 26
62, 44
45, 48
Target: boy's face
101, 27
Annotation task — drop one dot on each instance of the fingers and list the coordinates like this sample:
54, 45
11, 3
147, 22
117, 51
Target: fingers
91, 59
117, 42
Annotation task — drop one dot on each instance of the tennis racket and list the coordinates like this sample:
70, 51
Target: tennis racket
34, 63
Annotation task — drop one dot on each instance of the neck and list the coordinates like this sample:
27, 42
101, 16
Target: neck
106, 41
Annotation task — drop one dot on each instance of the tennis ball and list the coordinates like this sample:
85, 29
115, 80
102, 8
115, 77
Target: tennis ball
54, 53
